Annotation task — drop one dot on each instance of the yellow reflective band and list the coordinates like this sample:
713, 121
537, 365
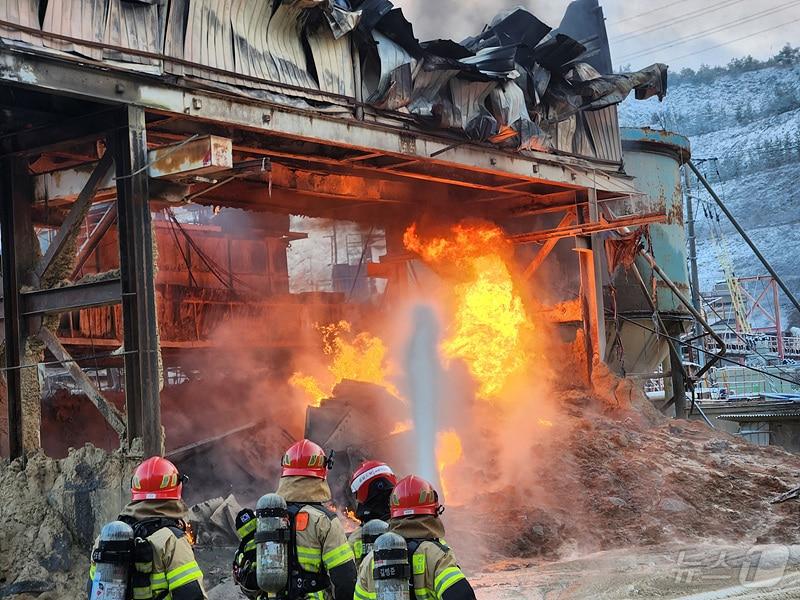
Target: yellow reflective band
183, 575
316, 596
424, 594
446, 579
142, 593
158, 577
251, 545
92, 569
419, 564
362, 594
338, 556
358, 549
247, 528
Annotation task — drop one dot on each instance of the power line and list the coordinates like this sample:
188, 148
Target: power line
716, 29
744, 37
697, 348
734, 41
675, 20
652, 12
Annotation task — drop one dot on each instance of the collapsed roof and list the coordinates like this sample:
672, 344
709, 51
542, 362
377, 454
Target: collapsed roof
518, 83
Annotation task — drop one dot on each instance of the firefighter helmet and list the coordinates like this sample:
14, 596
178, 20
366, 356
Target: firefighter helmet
414, 496
369, 472
305, 459
156, 479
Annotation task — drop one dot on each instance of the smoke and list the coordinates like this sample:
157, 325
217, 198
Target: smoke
423, 382
458, 19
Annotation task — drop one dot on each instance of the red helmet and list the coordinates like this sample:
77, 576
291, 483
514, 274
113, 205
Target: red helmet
414, 496
156, 479
370, 471
306, 459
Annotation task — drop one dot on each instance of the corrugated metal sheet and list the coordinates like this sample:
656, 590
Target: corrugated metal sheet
284, 41
603, 128
394, 87
333, 59
21, 12
136, 25
250, 19
467, 110
208, 38
428, 85
82, 19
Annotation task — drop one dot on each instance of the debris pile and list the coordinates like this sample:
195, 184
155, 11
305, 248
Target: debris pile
620, 475
50, 513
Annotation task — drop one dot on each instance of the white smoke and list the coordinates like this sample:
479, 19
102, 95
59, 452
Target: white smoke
424, 382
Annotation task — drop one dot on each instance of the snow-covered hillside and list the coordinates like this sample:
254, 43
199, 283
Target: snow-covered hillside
750, 123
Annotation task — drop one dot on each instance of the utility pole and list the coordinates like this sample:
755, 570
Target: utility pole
695, 278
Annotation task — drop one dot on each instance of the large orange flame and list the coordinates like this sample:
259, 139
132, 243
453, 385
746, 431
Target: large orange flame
489, 323
448, 453
360, 357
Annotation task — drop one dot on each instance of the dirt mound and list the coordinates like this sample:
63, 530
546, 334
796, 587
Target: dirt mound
619, 475
50, 512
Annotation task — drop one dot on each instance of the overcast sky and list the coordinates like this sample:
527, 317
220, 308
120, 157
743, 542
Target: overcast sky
641, 31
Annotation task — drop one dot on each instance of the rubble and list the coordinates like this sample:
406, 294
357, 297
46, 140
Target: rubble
50, 513
214, 521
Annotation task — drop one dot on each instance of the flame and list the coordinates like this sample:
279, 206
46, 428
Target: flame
489, 322
544, 423
402, 427
360, 358
448, 453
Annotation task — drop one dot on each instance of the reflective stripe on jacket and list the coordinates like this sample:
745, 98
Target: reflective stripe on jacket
435, 571
173, 572
321, 544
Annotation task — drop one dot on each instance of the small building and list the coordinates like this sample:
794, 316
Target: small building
764, 420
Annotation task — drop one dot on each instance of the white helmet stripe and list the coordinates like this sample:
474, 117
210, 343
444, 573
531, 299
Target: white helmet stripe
366, 475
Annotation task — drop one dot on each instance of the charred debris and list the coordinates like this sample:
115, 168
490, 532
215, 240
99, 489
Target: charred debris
518, 83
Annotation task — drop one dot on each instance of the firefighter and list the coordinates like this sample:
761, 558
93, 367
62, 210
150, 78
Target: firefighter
322, 565
163, 565
435, 575
372, 484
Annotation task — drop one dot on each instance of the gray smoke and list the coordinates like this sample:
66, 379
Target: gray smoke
458, 19
424, 380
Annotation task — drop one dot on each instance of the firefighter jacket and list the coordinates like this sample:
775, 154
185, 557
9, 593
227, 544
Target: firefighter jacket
435, 573
170, 571
321, 541
357, 544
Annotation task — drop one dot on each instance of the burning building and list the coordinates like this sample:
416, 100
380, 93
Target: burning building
160, 167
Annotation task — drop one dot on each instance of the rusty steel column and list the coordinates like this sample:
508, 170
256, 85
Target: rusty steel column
591, 274
140, 335
19, 256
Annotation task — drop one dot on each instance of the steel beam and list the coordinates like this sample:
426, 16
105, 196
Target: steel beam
138, 286
108, 410
75, 216
53, 301
113, 84
547, 247
18, 256
63, 135
89, 246
583, 229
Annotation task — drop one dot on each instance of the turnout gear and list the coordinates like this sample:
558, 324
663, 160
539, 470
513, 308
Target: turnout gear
414, 496
273, 538
363, 538
392, 571
164, 566
112, 559
244, 563
305, 459
320, 562
434, 573
156, 479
